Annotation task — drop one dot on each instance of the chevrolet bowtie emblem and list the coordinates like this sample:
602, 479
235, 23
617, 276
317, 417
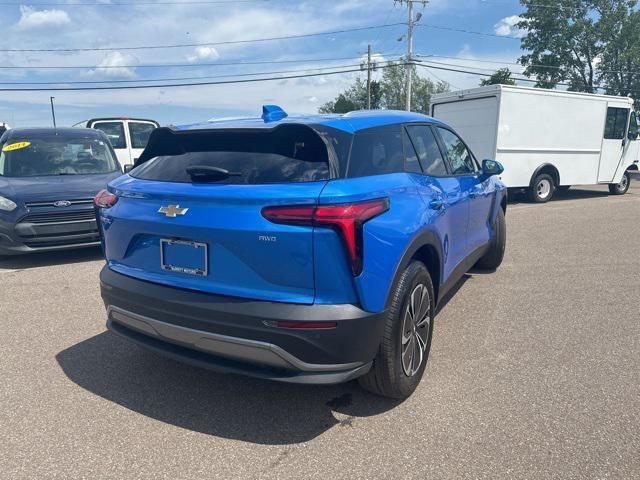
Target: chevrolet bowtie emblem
172, 210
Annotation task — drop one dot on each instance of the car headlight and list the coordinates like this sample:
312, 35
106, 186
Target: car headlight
7, 205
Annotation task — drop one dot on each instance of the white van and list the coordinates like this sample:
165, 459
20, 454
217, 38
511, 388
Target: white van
546, 139
128, 136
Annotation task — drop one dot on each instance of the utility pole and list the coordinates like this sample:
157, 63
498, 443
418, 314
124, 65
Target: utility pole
409, 62
53, 113
369, 77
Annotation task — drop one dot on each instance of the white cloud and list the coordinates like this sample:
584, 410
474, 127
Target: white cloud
31, 18
204, 53
507, 27
115, 65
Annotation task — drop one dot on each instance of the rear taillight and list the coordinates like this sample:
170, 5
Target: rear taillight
104, 199
346, 219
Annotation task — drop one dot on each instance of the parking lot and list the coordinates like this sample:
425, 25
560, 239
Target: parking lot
533, 373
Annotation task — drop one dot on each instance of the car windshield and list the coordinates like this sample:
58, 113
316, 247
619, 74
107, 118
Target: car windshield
32, 156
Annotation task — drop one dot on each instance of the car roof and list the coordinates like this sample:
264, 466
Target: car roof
350, 122
65, 131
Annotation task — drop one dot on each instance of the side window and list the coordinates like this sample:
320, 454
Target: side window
633, 124
616, 123
114, 132
411, 163
460, 158
376, 151
428, 151
139, 133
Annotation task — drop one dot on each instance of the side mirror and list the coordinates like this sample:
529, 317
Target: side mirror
632, 135
128, 168
491, 167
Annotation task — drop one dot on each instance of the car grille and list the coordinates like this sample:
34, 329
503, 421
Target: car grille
59, 227
59, 217
77, 201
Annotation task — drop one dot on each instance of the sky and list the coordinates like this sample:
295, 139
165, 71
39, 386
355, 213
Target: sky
111, 30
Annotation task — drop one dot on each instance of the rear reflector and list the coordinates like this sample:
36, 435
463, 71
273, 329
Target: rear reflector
346, 219
104, 199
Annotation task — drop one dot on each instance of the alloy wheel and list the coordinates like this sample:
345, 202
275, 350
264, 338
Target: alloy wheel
415, 330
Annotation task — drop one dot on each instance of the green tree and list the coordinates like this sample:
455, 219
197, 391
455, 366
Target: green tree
501, 76
568, 41
354, 98
621, 56
388, 93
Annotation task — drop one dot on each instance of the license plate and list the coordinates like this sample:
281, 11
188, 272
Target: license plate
184, 256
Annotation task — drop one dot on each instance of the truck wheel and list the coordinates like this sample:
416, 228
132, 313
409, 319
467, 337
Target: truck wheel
404, 349
622, 187
493, 258
542, 188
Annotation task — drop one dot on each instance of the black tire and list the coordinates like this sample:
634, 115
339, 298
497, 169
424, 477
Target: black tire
493, 258
622, 187
388, 375
541, 189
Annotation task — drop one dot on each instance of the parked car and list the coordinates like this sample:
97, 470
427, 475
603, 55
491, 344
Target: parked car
48, 178
128, 136
3, 128
312, 249
547, 139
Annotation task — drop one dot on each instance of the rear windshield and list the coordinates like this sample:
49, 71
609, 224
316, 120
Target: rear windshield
31, 156
287, 154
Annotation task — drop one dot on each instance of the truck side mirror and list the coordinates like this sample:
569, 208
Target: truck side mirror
632, 135
491, 167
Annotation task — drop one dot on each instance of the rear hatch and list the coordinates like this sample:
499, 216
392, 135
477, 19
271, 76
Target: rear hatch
191, 217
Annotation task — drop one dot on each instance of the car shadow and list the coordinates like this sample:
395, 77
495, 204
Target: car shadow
45, 259
452, 292
199, 400
558, 196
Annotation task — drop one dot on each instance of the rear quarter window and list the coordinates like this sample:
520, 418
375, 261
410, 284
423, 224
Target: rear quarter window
376, 151
140, 133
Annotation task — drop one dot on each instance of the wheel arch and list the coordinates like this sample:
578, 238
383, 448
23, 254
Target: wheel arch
632, 168
426, 248
549, 169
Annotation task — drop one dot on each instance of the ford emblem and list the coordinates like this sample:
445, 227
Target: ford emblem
62, 203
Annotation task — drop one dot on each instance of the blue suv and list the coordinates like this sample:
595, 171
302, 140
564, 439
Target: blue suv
311, 249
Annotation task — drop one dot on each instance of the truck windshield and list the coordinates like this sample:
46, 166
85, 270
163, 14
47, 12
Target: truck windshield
33, 156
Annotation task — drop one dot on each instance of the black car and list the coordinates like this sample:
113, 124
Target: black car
48, 178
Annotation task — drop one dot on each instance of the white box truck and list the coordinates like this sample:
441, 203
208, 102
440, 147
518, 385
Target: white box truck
546, 139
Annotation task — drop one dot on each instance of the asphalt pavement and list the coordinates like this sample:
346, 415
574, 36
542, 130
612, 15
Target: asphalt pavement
534, 373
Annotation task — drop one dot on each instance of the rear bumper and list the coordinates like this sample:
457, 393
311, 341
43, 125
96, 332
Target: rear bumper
235, 335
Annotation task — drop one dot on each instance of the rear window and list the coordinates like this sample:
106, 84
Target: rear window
114, 132
287, 154
139, 133
377, 151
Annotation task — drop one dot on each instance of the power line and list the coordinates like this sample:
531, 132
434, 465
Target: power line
170, 85
178, 65
461, 30
482, 74
208, 44
126, 4
502, 62
181, 79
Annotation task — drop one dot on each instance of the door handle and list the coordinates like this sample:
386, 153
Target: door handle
438, 205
